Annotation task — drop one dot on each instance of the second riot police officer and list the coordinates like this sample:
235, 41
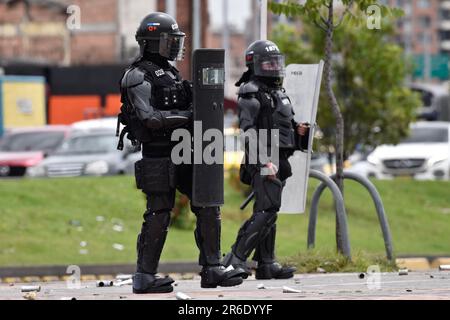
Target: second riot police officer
263, 105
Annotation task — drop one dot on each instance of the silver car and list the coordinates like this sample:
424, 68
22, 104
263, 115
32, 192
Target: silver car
90, 153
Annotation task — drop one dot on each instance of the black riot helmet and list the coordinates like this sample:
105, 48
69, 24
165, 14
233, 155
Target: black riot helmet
159, 34
265, 59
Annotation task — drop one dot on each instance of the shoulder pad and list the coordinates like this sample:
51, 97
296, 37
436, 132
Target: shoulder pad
133, 77
248, 88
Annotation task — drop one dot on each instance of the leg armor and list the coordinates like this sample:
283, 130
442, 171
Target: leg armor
160, 201
253, 231
265, 250
207, 237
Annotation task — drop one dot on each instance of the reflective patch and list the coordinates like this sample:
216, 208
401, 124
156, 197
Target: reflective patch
159, 73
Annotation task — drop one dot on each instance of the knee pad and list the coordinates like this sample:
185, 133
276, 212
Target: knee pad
161, 202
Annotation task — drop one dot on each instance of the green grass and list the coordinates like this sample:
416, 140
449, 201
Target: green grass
35, 218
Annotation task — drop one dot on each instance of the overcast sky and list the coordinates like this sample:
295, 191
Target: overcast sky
239, 11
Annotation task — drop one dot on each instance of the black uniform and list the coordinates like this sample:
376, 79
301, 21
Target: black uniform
263, 104
156, 101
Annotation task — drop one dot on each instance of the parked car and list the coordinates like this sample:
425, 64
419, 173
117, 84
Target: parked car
85, 153
424, 155
21, 149
436, 101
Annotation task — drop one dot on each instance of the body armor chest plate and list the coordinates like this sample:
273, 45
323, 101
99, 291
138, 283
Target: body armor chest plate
283, 119
168, 90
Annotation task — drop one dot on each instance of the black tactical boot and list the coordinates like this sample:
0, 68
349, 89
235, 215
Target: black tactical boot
219, 276
207, 236
232, 260
149, 283
268, 268
274, 271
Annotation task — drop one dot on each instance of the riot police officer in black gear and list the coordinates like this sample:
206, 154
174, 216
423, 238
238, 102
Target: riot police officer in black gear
263, 104
156, 101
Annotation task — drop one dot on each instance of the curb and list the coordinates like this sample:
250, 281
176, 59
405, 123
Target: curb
422, 264
11, 275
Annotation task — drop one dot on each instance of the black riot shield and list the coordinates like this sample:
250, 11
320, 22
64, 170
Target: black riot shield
208, 81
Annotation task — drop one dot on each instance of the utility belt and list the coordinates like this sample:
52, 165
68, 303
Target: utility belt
155, 175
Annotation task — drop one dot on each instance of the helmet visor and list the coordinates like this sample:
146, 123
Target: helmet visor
272, 66
171, 45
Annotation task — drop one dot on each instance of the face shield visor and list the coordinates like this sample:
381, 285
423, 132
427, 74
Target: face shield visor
171, 46
272, 66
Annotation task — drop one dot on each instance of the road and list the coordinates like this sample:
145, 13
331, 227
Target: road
423, 286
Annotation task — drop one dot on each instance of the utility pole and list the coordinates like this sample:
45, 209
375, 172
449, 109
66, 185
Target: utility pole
171, 8
226, 42
263, 29
197, 24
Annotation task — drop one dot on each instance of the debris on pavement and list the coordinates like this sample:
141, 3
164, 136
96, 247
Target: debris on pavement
321, 270
124, 277
260, 286
31, 289
124, 283
30, 296
182, 296
104, 283
444, 267
290, 290
403, 272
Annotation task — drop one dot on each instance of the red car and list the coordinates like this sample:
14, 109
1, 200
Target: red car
24, 148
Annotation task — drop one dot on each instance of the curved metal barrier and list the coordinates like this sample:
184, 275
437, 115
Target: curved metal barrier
342, 239
377, 201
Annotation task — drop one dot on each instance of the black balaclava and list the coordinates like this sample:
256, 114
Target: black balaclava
272, 83
157, 59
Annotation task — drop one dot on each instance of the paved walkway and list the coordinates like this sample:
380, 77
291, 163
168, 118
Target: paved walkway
431, 285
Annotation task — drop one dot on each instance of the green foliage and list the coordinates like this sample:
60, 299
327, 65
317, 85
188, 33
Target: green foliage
370, 70
37, 224
182, 218
312, 10
331, 262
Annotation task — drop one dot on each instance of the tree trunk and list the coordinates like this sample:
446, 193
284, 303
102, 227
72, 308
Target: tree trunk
336, 112
332, 99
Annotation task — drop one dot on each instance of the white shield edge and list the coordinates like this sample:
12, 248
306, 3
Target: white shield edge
302, 84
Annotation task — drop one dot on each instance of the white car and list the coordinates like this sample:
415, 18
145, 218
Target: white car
425, 155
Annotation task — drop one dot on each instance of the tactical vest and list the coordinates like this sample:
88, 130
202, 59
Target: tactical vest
168, 92
277, 113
